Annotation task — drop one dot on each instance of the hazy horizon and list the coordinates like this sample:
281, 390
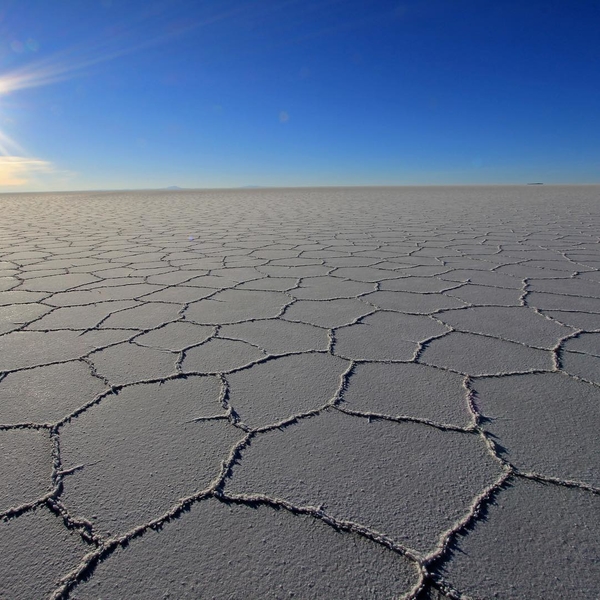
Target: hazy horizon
256, 188
115, 95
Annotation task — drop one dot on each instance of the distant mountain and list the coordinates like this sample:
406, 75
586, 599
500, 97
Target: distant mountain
250, 187
174, 187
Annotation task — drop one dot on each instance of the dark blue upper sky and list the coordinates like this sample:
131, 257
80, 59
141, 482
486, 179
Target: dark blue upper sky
141, 94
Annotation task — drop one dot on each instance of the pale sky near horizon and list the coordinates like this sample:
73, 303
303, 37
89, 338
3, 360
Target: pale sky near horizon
108, 94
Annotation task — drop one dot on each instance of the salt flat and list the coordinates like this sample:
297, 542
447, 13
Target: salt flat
311, 393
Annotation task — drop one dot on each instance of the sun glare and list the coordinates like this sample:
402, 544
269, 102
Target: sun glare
17, 167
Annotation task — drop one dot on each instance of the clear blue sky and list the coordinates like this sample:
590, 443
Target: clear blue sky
143, 94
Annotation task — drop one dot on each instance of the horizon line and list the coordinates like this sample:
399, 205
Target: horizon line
284, 187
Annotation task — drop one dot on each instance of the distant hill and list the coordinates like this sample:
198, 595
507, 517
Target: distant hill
250, 187
174, 187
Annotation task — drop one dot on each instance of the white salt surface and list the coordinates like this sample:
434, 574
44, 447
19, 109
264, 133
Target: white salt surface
311, 393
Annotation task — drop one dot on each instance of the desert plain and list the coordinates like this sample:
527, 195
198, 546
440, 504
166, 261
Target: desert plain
301, 393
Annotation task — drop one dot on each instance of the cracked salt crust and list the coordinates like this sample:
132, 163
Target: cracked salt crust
529, 520
334, 313
36, 550
386, 336
483, 295
251, 394
377, 473
234, 551
281, 388
45, 394
219, 355
531, 416
518, 324
276, 336
412, 303
408, 390
14, 316
26, 467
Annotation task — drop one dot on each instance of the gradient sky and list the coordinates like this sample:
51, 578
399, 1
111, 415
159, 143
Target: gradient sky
105, 94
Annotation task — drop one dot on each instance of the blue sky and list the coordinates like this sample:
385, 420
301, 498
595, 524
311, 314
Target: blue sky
98, 94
